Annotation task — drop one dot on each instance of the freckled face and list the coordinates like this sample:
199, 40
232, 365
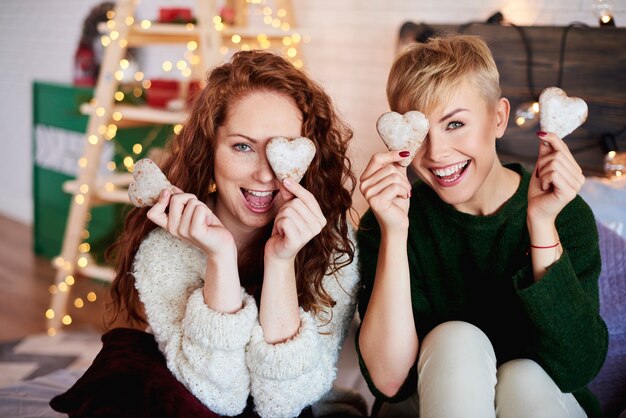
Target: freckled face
458, 156
247, 189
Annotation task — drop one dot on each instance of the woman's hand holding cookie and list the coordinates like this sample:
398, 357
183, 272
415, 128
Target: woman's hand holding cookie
556, 180
386, 187
298, 221
557, 176
184, 216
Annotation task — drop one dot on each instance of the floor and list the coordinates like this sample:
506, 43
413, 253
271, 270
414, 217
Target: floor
25, 279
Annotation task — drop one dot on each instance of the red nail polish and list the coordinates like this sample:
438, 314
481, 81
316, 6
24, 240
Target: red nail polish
541, 133
404, 154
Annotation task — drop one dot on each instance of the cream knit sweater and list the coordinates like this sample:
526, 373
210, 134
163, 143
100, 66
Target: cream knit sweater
223, 358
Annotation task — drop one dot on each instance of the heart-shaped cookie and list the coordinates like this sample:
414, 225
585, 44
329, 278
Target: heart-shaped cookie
290, 158
559, 113
403, 132
148, 182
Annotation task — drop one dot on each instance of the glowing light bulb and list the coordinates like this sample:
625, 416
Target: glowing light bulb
82, 262
603, 9
615, 164
527, 115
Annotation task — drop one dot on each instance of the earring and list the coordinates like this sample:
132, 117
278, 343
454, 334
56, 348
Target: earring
212, 186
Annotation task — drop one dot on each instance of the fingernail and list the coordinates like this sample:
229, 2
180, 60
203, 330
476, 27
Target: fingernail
404, 154
541, 134
288, 181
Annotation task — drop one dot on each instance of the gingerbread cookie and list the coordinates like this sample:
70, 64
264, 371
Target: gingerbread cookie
559, 113
148, 183
403, 132
290, 158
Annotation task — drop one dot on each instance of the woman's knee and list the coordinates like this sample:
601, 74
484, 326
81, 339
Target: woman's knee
524, 388
456, 372
457, 339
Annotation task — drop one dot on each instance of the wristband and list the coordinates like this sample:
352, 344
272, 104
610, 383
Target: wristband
544, 247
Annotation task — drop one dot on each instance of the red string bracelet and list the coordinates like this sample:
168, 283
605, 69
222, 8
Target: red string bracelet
544, 247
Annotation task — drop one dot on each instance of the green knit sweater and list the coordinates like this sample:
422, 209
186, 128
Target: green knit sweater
477, 269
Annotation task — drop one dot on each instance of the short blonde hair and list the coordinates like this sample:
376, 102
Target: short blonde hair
424, 75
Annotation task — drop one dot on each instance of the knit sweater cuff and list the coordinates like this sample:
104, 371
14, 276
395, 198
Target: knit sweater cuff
217, 330
559, 283
288, 359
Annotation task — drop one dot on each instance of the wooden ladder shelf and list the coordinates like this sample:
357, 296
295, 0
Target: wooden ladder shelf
89, 188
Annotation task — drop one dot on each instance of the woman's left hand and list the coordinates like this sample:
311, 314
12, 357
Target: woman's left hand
556, 180
298, 221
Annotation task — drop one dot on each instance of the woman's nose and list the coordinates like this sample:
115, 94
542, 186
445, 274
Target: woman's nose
263, 171
436, 148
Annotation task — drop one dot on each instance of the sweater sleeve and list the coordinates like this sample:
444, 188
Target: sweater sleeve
570, 337
204, 349
287, 377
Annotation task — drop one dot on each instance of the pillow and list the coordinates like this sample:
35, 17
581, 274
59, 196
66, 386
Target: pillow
129, 378
609, 385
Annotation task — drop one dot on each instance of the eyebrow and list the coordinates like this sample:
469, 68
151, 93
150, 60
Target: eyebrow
454, 112
254, 141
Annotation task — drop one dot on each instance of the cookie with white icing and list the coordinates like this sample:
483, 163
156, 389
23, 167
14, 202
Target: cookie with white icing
403, 132
290, 157
148, 183
559, 113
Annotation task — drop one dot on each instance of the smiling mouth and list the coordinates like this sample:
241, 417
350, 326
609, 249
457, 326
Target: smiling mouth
259, 199
450, 174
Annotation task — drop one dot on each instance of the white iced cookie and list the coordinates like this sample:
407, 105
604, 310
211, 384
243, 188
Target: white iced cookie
290, 158
148, 182
559, 113
403, 132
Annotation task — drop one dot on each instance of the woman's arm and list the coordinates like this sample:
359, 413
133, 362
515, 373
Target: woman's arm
556, 180
298, 221
570, 338
204, 348
388, 342
289, 376
387, 339
563, 304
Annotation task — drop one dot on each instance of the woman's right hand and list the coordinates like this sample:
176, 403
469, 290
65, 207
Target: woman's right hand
186, 217
386, 187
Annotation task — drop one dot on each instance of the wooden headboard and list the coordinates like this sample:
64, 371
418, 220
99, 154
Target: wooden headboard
594, 69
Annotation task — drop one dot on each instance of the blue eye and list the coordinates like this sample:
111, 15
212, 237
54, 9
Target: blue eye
242, 147
455, 125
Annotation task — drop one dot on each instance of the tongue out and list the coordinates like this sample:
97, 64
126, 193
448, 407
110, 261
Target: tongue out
258, 201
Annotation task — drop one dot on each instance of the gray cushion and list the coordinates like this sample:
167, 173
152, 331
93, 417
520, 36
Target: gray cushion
610, 384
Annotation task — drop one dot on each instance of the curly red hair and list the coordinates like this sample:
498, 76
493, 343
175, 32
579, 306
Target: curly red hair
190, 167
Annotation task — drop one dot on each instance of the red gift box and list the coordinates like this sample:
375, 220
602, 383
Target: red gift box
161, 91
175, 14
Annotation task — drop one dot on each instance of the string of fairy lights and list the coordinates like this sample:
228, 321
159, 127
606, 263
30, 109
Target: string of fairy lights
279, 31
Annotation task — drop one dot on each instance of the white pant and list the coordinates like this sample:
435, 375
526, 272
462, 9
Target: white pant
457, 377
